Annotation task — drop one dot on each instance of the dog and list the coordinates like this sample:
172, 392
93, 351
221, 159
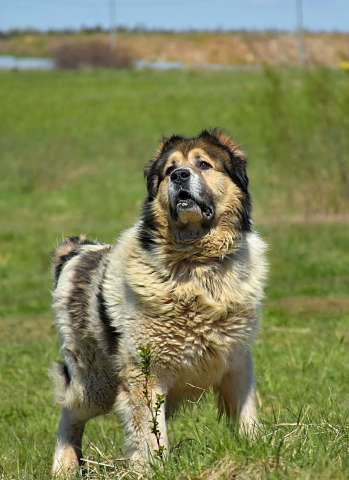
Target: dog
169, 311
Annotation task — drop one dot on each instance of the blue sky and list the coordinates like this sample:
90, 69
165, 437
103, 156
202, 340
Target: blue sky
176, 14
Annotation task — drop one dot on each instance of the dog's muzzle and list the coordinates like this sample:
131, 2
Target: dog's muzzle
189, 197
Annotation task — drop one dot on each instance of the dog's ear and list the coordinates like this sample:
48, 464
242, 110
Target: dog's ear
153, 171
236, 166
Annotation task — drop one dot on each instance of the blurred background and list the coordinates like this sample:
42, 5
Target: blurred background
87, 90
175, 33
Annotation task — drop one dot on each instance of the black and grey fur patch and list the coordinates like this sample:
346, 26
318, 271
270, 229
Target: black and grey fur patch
147, 227
63, 371
86, 268
90, 269
111, 335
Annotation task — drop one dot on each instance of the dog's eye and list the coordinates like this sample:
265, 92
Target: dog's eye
203, 165
169, 170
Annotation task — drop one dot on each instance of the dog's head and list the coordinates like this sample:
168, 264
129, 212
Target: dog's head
196, 187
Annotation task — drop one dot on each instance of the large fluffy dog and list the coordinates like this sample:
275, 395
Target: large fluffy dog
184, 284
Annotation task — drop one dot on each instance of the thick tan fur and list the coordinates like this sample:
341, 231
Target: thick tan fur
194, 305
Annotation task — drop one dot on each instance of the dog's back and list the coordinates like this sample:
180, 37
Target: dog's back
87, 336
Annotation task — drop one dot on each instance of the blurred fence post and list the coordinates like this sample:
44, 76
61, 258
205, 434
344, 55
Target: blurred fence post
300, 31
112, 13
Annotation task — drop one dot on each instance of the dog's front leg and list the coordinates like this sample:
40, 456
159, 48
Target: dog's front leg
141, 406
68, 454
237, 393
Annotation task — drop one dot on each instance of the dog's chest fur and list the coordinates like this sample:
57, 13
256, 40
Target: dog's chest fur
192, 315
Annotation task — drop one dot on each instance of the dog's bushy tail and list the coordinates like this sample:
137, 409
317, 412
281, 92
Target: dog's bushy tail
67, 250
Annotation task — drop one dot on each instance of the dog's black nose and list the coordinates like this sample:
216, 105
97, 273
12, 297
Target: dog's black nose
180, 175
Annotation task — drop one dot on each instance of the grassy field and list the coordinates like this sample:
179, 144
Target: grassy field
72, 149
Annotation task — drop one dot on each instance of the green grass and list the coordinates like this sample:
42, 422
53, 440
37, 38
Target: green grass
72, 151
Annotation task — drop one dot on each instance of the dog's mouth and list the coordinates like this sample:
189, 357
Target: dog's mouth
188, 205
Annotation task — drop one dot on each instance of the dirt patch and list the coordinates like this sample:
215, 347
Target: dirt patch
26, 329
297, 305
235, 48
316, 219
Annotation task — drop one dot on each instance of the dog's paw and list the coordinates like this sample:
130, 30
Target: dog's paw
66, 462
